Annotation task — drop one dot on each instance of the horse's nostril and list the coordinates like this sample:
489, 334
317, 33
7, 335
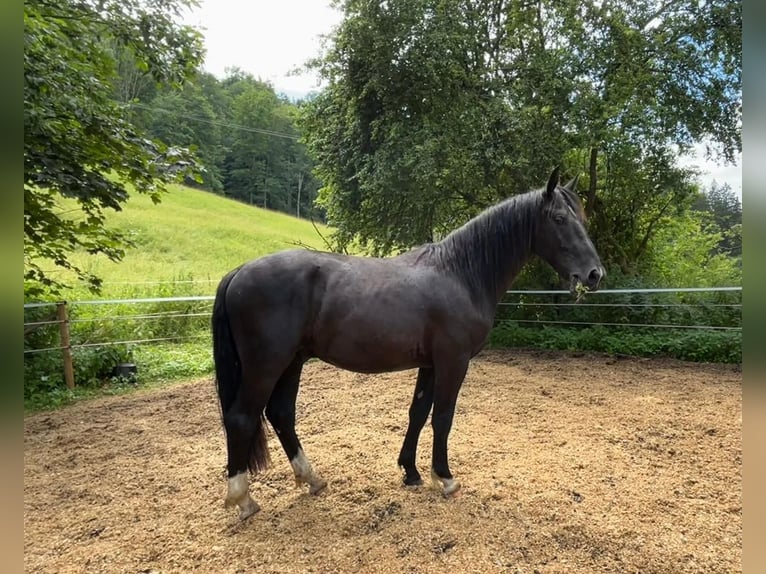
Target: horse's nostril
595, 275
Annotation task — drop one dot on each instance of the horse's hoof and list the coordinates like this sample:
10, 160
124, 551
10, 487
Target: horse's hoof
247, 509
451, 489
449, 486
317, 487
247, 506
412, 481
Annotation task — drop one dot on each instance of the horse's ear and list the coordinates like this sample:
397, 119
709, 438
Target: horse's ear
572, 183
553, 181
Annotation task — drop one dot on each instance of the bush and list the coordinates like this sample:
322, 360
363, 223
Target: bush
685, 344
612, 322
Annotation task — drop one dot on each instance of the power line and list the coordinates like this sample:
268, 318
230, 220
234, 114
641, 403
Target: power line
216, 123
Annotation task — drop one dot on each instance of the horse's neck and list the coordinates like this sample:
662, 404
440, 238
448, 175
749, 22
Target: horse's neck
510, 264
489, 251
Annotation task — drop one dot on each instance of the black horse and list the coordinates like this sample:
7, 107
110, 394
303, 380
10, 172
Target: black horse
430, 308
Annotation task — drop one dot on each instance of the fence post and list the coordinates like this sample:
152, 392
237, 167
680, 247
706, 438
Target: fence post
63, 317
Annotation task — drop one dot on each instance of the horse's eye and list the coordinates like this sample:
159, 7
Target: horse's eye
559, 219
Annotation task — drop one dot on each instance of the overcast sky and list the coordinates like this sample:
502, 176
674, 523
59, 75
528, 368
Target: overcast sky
266, 38
270, 39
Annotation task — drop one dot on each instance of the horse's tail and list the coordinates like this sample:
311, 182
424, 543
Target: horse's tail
228, 372
228, 376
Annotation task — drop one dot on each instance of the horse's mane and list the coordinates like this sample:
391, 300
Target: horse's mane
490, 249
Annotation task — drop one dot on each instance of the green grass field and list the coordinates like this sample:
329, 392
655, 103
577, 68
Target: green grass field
190, 235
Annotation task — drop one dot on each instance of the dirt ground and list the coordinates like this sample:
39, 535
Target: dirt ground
576, 464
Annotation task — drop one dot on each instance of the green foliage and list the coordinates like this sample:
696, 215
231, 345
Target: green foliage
685, 251
704, 309
725, 209
186, 325
689, 345
94, 366
44, 384
433, 109
173, 362
407, 139
641, 193
244, 135
265, 163
43, 372
77, 141
191, 236
186, 118
158, 365
611, 322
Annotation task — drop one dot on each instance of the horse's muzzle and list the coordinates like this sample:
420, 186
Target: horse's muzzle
591, 282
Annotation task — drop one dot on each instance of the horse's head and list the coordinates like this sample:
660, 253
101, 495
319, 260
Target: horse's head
562, 240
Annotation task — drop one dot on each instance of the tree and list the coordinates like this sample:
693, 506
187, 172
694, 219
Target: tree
684, 253
250, 163
407, 136
265, 164
725, 209
78, 140
433, 108
186, 118
243, 132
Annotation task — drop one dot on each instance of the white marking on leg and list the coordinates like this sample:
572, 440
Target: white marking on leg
304, 473
237, 488
238, 494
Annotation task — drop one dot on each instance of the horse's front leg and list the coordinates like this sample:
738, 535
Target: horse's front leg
419, 409
448, 380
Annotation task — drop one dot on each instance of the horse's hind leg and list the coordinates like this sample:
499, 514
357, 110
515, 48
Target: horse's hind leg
246, 439
280, 411
244, 427
419, 409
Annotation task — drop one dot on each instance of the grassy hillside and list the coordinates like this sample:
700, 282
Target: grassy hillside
191, 235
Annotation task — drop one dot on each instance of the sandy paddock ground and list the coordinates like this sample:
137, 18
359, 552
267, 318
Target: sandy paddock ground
571, 464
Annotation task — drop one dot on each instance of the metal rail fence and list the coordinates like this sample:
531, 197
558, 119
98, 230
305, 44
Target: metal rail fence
682, 308
531, 308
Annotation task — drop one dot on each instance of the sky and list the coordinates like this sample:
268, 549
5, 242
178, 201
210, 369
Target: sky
266, 38
271, 40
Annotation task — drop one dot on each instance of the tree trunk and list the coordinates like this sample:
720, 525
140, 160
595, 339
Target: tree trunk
300, 185
592, 181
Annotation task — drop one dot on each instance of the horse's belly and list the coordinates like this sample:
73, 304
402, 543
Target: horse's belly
371, 367
373, 353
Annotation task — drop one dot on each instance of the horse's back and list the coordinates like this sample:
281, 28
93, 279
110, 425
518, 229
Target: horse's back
301, 277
